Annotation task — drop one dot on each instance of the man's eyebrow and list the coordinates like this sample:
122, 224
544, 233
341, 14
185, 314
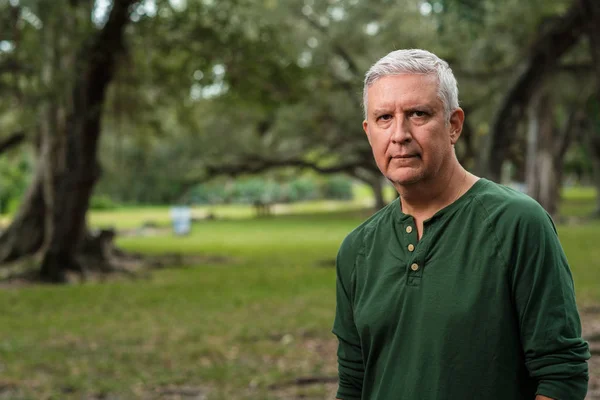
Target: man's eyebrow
381, 110
417, 107
412, 108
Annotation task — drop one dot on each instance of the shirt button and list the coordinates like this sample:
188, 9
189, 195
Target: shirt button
411, 247
409, 229
414, 267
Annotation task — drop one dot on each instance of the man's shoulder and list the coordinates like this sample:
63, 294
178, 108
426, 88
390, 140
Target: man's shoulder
354, 242
505, 206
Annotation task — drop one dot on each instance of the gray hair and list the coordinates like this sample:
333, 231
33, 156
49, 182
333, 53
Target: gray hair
416, 61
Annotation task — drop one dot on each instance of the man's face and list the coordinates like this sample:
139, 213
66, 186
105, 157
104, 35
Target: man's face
409, 135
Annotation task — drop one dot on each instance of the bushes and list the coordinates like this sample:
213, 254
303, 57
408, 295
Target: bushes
248, 191
102, 202
302, 189
251, 190
337, 187
15, 175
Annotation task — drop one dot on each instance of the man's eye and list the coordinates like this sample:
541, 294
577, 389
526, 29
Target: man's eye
384, 117
418, 114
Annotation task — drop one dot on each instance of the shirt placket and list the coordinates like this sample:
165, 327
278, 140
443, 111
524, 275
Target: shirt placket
415, 259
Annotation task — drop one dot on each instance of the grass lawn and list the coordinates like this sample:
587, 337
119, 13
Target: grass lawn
578, 201
226, 330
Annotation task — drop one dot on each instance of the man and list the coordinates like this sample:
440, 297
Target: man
459, 289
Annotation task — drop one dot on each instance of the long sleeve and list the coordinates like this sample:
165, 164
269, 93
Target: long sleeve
350, 361
544, 297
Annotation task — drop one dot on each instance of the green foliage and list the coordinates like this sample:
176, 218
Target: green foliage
220, 83
250, 190
337, 187
206, 85
153, 182
102, 202
209, 193
141, 170
302, 189
15, 175
12, 205
577, 162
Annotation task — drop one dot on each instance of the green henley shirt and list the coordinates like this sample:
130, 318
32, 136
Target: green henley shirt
481, 307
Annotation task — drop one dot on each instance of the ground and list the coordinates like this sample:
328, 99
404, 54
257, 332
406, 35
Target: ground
590, 317
250, 319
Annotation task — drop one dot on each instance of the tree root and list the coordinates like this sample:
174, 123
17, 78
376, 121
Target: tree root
304, 381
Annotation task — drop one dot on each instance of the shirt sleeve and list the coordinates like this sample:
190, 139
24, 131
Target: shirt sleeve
349, 354
544, 296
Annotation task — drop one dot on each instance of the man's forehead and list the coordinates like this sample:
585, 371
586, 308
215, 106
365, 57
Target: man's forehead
391, 97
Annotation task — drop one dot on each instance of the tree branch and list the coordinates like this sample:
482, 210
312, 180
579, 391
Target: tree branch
12, 66
260, 165
543, 58
571, 68
566, 135
256, 165
106, 45
343, 54
98, 71
13, 140
339, 50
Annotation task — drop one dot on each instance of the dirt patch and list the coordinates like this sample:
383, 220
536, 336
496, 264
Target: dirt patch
173, 392
8, 390
327, 263
124, 266
590, 321
311, 382
324, 385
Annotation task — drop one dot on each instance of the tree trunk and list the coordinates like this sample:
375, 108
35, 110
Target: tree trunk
592, 9
543, 58
465, 148
72, 155
374, 179
531, 167
25, 235
596, 175
544, 184
547, 147
377, 188
593, 144
53, 215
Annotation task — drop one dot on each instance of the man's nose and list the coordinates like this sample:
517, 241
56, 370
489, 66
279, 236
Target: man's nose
401, 131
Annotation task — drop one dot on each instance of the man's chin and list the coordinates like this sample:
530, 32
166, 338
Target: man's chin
404, 179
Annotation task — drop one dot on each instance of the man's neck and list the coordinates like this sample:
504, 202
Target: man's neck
424, 199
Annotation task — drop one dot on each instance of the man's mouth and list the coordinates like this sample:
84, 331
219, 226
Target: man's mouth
405, 156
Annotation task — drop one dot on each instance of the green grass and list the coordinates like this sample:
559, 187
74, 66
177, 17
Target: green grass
580, 243
579, 193
228, 329
214, 326
578, 202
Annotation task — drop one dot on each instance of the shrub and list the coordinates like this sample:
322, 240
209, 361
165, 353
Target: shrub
102, 202
337, 187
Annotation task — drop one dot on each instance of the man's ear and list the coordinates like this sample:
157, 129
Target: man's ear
456, 124
366, 129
